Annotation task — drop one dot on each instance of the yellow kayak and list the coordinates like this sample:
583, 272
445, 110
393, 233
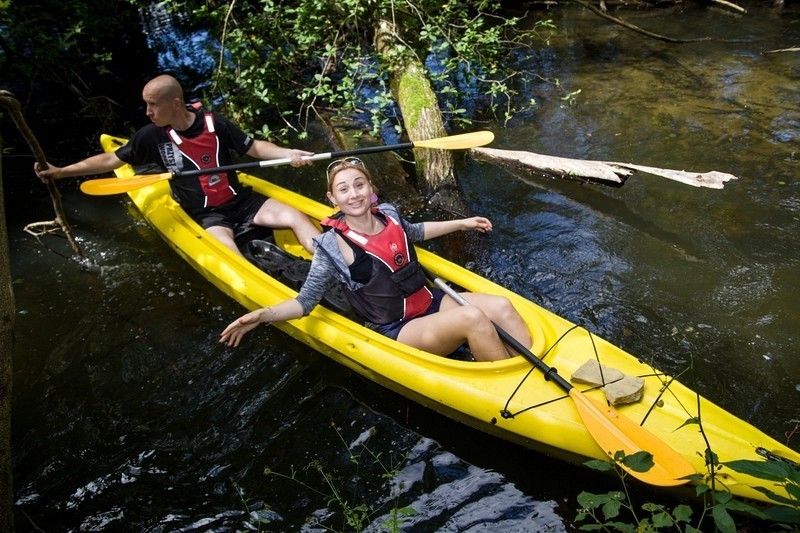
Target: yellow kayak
504, 398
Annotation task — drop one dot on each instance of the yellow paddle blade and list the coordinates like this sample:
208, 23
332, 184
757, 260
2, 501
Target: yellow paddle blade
458, 142
614, 432
106, 186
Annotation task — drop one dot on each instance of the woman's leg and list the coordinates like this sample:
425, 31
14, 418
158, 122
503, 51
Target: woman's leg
499, 310
442, 332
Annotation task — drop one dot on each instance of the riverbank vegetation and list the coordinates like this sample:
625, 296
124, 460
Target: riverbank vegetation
316, 57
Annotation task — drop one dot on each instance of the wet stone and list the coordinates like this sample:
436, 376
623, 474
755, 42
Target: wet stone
627, 390
590, 374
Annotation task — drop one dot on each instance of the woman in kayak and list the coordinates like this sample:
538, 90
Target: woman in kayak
370, 250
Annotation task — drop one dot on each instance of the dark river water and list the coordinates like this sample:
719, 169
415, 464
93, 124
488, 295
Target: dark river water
129, 416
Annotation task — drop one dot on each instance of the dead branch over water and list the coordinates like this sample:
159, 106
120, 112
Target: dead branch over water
60, 223
608, 172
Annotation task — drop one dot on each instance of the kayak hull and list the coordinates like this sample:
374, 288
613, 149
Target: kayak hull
503, 398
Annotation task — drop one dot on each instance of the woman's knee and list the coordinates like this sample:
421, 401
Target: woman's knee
474, 320
505, 308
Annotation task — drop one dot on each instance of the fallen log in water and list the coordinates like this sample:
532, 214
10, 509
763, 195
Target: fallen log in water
607, 172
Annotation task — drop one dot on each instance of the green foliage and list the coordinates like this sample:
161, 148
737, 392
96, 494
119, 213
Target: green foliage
60, 39
63, 57
783, 473
605, 511
290, 60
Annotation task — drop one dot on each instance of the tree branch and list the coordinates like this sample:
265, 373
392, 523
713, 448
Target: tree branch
637, 29
8, 101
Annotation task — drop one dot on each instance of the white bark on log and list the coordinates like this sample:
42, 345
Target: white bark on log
559, 166
609, 172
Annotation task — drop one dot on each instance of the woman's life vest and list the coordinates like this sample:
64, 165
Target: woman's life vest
396, 288
202, 152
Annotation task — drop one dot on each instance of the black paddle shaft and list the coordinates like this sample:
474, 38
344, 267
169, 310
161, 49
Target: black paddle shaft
315, 157
550, 373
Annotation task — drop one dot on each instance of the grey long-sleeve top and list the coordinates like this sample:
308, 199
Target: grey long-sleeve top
328, 264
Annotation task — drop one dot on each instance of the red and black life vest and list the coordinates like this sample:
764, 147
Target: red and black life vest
396, 287
202, 152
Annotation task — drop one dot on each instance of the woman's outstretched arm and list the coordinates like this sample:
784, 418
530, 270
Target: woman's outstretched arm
435, 229
236, 330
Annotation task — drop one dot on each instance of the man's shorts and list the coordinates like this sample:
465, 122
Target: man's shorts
238, 214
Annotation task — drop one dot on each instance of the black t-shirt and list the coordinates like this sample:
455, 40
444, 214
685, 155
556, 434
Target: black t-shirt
151, 150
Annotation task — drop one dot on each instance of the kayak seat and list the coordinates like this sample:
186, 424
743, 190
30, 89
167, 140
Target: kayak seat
268, 257
244, 234
292, 270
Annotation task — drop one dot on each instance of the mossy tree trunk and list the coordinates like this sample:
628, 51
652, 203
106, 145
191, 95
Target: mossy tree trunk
422, 119
6, 339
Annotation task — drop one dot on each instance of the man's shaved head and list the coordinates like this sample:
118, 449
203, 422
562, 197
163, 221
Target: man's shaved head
164, 87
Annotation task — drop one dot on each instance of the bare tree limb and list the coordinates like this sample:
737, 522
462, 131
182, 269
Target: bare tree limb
792, 49
729, 5
8, 101
637, 29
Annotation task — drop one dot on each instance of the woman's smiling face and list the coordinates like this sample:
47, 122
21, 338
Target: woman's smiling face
352, 191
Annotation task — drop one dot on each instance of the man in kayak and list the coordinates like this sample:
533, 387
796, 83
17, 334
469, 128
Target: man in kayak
370, 251
179, 139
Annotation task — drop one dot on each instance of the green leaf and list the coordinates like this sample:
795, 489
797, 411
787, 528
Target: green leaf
783, 514
588, 500
742, 507
794, 491
722, 497
777, 498
682, 513
600, 466
662, 519
621, 526
701, 489
768, 470
639, 461
723, 519
689, 422
711, 458
652, 507
406, 511
611, 509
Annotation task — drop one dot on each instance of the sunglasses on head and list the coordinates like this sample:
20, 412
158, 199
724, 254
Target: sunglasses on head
345, 161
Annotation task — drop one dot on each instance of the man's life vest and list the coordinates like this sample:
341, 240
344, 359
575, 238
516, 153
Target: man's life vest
202, 152
396, 288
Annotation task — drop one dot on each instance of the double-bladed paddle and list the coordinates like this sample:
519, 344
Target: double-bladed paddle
610, 430
106, 186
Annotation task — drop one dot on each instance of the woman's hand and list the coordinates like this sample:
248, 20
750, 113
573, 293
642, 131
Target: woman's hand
481, 224
236, 330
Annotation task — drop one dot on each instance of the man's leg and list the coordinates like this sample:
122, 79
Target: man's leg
225, 236
275, 214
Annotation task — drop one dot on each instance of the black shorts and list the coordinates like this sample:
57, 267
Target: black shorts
238, 214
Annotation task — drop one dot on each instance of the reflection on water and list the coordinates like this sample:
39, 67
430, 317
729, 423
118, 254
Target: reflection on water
128, 415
